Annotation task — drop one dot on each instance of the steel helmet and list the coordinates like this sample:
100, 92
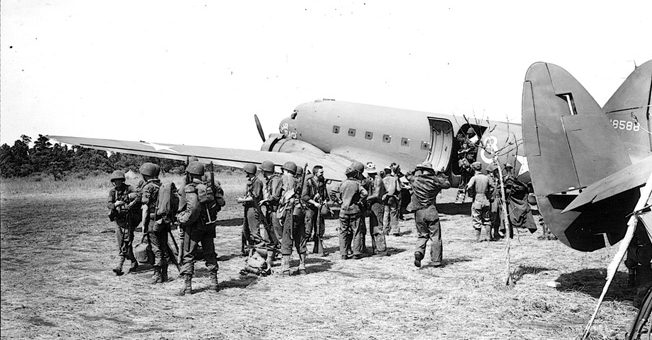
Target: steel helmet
267, 166
118, 175
150, 169
299, 171
250, 169
357, 166
290, 166
195, 168
192, 159
470, 131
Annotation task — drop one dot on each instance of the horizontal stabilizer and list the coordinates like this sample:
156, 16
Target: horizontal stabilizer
626, 179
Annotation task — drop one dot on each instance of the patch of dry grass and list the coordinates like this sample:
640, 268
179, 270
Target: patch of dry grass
58, 249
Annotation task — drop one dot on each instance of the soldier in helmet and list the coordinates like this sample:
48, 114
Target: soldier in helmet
480, 188
157, 230
352, 195
124, 204
314, 196
426, 184
376, 190
192, 219
253, 196
271, 200
390, 202
288, 197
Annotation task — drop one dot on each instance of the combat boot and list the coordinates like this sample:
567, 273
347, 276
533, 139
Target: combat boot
164, 273
156, 278
213, 285
133, 267
187, 286
417, 259
285, 265
118, 268
302, 264
484, 234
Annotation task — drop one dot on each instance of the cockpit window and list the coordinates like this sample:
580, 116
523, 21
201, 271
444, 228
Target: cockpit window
294, 114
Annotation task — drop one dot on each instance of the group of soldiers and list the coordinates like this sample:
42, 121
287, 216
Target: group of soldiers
156, 208
285, 211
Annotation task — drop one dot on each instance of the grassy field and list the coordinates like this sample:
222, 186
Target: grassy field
58, 248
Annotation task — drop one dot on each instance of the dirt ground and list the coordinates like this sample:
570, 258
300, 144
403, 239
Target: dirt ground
58, 250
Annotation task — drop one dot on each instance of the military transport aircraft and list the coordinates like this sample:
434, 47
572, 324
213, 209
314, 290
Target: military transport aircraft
333, 133
587, 163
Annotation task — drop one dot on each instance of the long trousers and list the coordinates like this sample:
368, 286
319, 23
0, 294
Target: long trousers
390, 217
195, 235
376, 229
429, 229
350, 234
125, 238
158, 238
314, 222
293, 232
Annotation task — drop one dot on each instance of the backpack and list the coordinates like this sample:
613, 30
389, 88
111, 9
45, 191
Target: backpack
211, 201
167, 204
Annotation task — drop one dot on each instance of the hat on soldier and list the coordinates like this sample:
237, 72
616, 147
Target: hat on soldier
425, 166
150, 169
371, 168
491, 168
476, 166
250, 169
357, 166
195, 168
117, 175
290, 166
299, 171
267, 166
470, 130
192, 159
508, 166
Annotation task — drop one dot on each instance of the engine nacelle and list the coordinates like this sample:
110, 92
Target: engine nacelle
281, 143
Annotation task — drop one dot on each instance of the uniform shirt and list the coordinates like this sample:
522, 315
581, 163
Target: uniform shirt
391, 185
376, 189
425, 188
352, 195
254, 190
150, 194
482, 186
122, 193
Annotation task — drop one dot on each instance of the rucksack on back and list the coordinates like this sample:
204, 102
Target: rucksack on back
210, 202
168, 201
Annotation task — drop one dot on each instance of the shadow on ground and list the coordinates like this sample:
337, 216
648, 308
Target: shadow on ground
230, 222
455, 208
591, 282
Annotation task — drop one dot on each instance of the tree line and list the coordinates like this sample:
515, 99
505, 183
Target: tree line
21, 160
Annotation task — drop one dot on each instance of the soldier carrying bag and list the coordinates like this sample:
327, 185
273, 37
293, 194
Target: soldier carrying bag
143, 251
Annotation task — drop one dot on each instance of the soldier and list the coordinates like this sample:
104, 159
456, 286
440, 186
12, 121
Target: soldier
291, 226
480, 189
390, 202
518, 209
197, 229
123, 204
352, 195
495, 202
252, 219
314, 196
156, 229
376, 190
271, 198
426, 184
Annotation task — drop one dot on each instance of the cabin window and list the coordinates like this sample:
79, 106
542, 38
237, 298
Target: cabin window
352, 132
336, 129
405, 141
387, 138
369, 135
425, 145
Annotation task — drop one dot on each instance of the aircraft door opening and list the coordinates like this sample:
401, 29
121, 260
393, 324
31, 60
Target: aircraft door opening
441, 143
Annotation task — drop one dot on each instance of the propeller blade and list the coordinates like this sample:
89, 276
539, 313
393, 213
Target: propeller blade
259, 127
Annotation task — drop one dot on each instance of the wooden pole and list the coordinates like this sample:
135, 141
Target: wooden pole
618, 258
508, 273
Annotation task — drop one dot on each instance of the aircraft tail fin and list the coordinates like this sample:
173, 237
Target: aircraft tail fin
569, 145
629, 111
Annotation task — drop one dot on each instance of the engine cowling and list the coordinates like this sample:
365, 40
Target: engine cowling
280, 143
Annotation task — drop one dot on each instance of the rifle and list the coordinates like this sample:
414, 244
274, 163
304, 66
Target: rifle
213, 190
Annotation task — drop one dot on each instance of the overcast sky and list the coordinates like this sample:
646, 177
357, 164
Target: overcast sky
195, 72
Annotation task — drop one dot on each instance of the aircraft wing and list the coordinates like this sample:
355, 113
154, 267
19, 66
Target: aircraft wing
334, 165
626, 179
